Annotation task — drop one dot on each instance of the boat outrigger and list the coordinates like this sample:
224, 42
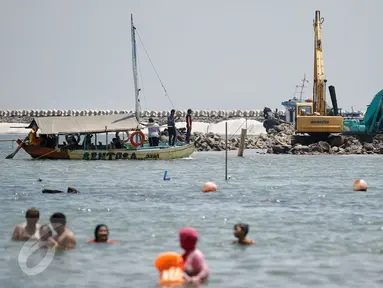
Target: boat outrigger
76, 128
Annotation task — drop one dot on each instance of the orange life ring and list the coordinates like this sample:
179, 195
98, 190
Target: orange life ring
170, 266
142, 138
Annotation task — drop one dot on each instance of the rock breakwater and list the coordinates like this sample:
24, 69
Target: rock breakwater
278, 141
216, 142
208, 116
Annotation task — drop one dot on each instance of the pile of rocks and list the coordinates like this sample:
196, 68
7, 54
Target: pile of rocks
279, 142
216, 142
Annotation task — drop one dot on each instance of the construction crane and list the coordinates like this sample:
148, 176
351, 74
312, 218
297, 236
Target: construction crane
312, 122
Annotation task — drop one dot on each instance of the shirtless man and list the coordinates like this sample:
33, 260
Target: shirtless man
65, 238
30, 229
240, 232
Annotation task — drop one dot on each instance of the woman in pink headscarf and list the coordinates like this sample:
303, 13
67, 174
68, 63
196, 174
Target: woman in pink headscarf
194, 261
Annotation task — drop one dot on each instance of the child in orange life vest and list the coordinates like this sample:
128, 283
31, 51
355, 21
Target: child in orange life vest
194, 261
240, 232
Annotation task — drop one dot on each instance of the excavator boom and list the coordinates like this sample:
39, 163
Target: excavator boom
319, 88
312, 118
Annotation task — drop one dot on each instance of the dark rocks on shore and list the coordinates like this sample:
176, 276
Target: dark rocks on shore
215, 142
280, 143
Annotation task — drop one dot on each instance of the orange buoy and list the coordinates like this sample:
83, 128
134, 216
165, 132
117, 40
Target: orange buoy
360, 185
209, 187
170, 265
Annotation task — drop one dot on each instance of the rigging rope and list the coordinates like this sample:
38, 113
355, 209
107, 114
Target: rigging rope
142, 82
155, 70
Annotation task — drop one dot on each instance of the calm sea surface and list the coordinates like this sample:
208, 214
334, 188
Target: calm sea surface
311, 229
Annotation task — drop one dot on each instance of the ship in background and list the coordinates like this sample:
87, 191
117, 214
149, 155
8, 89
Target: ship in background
273, 118
291, 104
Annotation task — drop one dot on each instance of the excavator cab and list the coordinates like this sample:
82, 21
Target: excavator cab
308, 122
304, 109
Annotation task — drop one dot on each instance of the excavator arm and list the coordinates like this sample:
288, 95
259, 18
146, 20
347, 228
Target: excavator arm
319, 87
314, 120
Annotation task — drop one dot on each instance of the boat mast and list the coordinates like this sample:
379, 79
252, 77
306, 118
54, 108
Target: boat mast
134, 65
304, 80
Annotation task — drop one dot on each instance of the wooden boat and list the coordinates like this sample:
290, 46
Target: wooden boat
85, 127
76, 128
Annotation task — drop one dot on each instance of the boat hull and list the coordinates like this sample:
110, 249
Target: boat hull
161, 153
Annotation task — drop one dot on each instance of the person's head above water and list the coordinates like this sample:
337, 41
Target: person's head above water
58, 221
151, 120
32, 216
188, 238
241, 230
101, 233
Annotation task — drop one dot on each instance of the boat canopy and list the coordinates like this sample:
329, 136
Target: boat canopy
85, 124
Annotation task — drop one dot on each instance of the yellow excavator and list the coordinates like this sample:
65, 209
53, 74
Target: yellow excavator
312, 120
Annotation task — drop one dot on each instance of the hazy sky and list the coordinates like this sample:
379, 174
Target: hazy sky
243, 54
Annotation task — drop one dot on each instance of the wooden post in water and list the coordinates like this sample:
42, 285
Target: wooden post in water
242, 143
226, 151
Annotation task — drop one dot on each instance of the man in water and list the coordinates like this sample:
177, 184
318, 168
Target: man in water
172, 128
240, 232
154, 132
30, 229
64, 238
189, 121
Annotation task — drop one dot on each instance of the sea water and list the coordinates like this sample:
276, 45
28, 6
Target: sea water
310, 228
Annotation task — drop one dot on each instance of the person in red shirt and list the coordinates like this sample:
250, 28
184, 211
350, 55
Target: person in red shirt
188, 125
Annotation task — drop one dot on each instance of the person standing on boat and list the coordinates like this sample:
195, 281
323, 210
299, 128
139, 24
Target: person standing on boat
172, 128
154, 132
189, 121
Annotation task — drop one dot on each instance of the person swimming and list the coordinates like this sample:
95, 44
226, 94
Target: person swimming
240, 232
101, 234
65, 237
30, 229
194, 261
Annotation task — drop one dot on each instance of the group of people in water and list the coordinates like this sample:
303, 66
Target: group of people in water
195, 266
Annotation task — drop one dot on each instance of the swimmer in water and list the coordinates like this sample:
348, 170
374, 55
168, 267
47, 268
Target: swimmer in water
240, 232
194, 261
64, 238
101, 234
30, 229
